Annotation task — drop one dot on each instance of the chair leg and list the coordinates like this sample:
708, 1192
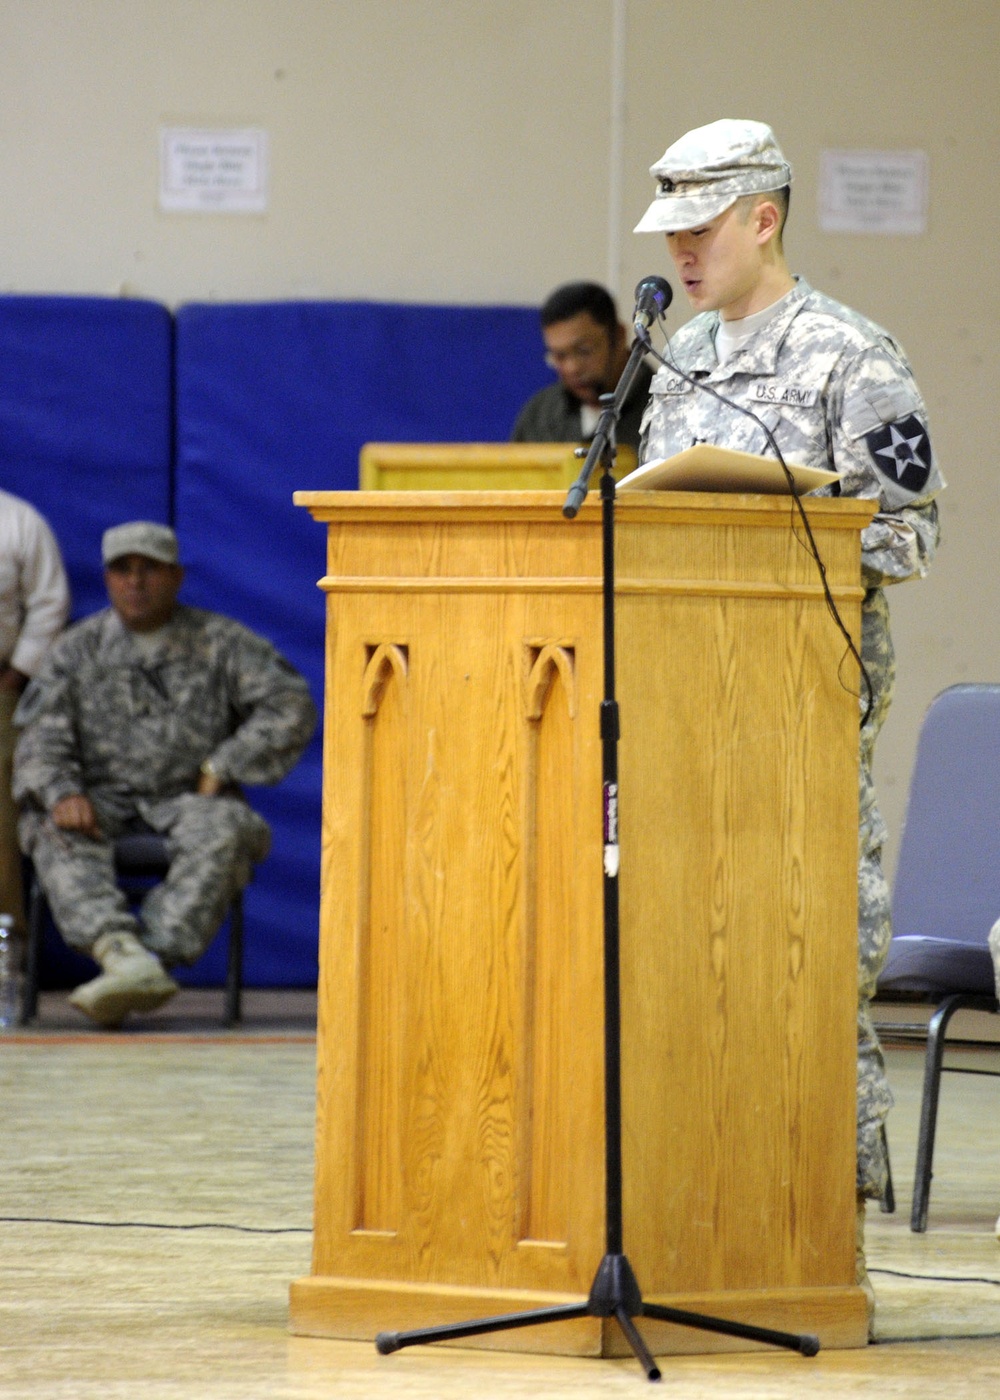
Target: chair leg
887, 1205
234, 969
33, 953
928, 1110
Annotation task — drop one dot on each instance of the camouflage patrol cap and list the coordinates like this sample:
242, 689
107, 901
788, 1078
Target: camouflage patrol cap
708, 170
143, 537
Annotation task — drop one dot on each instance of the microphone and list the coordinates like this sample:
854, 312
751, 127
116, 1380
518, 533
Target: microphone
652, 297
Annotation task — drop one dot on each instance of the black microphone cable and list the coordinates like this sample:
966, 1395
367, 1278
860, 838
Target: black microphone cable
811, 547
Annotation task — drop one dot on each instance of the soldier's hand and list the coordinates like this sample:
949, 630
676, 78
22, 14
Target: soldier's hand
76, 813
209, 784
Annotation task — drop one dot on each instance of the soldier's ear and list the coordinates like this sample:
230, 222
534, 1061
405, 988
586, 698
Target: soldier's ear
767, 217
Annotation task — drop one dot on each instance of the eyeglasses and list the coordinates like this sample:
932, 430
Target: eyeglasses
581, 352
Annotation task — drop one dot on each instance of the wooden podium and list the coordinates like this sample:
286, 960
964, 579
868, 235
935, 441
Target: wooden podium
460, 1146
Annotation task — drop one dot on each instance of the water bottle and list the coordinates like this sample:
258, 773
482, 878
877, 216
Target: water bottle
10, 973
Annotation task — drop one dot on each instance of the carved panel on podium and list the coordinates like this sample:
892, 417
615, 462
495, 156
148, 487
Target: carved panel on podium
376, 1163
546, 1132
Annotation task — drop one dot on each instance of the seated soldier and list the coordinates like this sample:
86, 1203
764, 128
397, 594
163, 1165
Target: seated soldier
586, 345
149, 715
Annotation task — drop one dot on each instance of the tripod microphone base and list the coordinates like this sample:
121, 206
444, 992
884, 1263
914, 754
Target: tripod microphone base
614, 1293
615, 1286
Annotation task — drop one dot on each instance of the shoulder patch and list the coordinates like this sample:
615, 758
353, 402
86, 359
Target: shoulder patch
901, 452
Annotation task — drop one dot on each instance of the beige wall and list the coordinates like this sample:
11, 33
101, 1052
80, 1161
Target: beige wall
446, 150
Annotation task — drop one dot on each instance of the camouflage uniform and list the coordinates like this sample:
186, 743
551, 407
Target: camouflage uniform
130, 726
836, 392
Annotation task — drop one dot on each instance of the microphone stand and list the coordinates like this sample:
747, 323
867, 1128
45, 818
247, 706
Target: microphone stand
615, 1291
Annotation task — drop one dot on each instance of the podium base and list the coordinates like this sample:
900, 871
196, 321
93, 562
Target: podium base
356, 1309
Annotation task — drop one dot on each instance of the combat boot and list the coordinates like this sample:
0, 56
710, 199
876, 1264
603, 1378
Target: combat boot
133, 979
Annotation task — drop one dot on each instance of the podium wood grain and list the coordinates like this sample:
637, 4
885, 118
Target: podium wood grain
460, 1150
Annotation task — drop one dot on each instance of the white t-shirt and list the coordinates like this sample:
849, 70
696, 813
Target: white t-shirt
732, 335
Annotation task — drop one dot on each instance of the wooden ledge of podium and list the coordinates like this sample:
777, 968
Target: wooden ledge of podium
503, 508
475, 466
460, 1127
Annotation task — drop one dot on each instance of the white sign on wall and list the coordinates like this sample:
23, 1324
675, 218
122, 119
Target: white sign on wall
873, 192
213, 171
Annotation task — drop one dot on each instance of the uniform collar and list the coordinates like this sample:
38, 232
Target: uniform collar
119, 643
760, 354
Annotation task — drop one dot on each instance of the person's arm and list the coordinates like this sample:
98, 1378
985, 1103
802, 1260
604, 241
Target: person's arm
898, 545
45, 596
881, 447
275, 712
47, 763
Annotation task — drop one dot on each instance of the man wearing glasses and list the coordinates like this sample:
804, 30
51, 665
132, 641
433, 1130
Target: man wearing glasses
585, 344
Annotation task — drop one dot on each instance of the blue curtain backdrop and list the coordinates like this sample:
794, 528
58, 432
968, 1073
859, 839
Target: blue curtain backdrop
86, 420
112, 410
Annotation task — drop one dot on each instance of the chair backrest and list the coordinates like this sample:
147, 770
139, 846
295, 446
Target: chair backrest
948, 877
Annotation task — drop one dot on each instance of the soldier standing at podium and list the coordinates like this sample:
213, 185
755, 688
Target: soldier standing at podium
836, 391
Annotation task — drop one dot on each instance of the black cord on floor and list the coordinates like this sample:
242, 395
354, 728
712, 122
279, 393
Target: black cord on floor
938, 1337
155, 1225
307, 1230
936, 1278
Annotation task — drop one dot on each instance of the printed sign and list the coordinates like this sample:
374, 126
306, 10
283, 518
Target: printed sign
873, 192
213, 171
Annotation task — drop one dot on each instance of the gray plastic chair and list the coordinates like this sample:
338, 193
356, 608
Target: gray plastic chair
946, 895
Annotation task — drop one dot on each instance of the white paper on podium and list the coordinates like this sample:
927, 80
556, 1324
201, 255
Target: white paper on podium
705, 467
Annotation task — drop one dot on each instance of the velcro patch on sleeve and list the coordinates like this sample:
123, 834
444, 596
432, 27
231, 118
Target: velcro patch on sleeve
901, 452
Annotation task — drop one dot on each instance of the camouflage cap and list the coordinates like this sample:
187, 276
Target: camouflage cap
708, 170
143, 537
